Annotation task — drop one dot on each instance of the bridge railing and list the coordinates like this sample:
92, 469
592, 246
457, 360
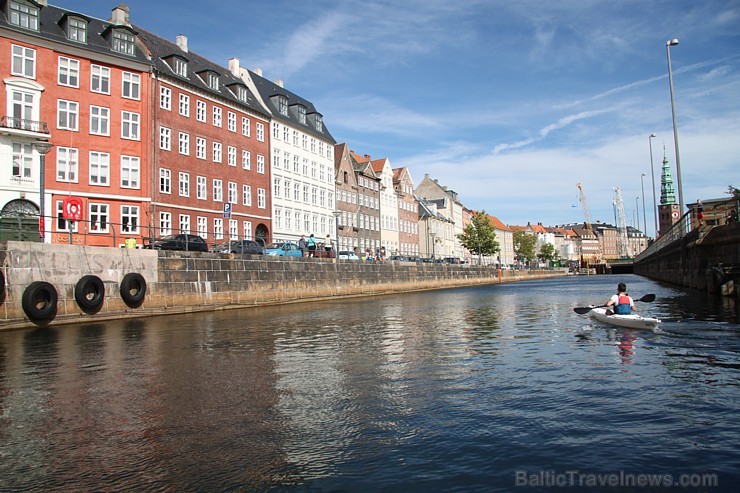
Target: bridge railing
677, 231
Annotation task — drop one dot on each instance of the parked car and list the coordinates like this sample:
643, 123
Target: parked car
322, 253
347, 255
251, 247
187, 242
285, 249
452, 260
399, 258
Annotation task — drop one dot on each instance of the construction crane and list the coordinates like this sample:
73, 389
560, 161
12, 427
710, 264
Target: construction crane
623, 247
588, 224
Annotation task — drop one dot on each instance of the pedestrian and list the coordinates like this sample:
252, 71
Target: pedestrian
622, 302
328, 246
302, 245
700, 212
311, 244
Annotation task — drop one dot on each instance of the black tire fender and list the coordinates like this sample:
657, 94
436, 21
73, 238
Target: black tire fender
133, 289
40, 302
2, 286
90, 293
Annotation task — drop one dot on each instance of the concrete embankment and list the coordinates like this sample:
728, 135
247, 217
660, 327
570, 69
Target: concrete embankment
60, 284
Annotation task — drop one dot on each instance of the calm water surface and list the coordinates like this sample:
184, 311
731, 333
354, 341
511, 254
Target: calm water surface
494, 388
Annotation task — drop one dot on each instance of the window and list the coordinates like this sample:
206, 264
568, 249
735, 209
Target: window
232, 156
261, 198
277, 187
130, 171
129, 125
217, 116
99, 168
67, 164
260, 129
123, 42
69, 72
77, 30
181, 67
319, 123
130, 219
218, 191
212, 80
63, 224
295, 137
67, 114
202, 226
296, 191
24, 62
184, 223
232, 198
165, 223
218, 228
165, 138
275, 130
247, 230
217, 157
200, 111
282, 103
165, 98
245, 127
131, 88
233, 228
301, 114
98, 218
260, 163
305, 141
165, 180
200, 147
22, 160
288, 187
286, 133
242, 94
185, 105
231, 121
184, 143
305, 194
247, 195
184, 184
276, 158
23, 15
246, 160
23, 107
100, 79
201, 190
99, 120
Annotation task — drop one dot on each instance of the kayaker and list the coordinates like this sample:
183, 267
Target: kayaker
622, 302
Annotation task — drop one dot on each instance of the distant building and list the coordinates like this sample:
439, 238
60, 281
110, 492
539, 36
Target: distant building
668, 211
408, 212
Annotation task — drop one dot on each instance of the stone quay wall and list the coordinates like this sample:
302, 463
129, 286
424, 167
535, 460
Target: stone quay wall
704, 259
183, 282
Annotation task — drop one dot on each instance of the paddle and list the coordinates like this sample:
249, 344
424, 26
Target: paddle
582, 310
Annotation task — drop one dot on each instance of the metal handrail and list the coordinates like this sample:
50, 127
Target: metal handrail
679, 229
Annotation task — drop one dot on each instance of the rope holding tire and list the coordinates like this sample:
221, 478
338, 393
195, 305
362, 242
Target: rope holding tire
40, 302
90, 294
133, 289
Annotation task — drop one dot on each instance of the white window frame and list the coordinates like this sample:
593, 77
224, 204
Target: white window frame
68, 72
231, 156
99, 169
260, 131
130, 172
260, 164
184, 184
68, 163
247, 195
165, 138
200, 147
231, 121
201, 189
261, 198
183, 143
99, 120
246, 160
217, 152
130, 125
201, 110
130, 219
130, 86
165, 223
24, 62
165, 181
99, 215
99, 79
218, 190
70, 110
245, 127
217, 117
165, 98
184, 105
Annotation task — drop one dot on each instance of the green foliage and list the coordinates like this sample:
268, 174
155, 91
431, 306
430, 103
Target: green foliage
524, 246
735, 192
479, 235
548, 253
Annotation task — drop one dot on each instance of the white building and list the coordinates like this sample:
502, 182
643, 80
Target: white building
389, 237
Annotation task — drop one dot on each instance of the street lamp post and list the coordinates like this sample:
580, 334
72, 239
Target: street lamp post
336, 232
668, 44
644, 214
42, 147
433, 234
637, 212
652, 175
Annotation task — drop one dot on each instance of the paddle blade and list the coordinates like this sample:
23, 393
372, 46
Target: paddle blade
648, 298
582, 310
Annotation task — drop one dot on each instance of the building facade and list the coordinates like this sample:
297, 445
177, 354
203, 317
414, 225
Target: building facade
408, 212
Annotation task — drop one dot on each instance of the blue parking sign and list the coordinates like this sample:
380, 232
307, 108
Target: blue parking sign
227, 210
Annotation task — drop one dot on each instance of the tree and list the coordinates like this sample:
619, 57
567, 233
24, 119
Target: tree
548, 253
524, 246
480, 236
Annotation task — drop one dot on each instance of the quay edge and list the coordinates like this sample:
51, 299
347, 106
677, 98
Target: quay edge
188, 282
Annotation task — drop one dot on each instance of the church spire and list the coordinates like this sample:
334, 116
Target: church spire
667, 192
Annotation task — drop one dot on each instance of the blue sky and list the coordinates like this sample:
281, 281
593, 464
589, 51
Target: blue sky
510, 104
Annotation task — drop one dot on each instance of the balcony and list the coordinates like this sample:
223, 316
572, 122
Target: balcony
24, 125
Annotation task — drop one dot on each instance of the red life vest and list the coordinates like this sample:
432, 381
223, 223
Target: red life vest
623, 305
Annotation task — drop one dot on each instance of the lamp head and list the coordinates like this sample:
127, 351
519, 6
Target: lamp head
671, 42
652, 136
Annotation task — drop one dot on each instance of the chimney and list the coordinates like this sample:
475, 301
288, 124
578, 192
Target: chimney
182, 42
234, 67
258, 71
279, 82
43, 3
119, 16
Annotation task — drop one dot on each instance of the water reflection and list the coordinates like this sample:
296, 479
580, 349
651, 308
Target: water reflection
448, 390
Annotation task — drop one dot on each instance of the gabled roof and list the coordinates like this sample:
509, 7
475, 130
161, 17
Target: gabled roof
162, 49
51, 22
270, 90
379, 164
498, 224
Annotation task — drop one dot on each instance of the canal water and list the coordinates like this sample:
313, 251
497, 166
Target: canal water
492, 388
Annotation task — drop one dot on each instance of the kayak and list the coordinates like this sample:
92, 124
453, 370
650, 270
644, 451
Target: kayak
633, 321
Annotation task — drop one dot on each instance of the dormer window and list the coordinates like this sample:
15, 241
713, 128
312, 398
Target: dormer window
25, 15
123, 42
240, 92
301, 114
282, 103
77, 30
178, 64
319, 123
210, 78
